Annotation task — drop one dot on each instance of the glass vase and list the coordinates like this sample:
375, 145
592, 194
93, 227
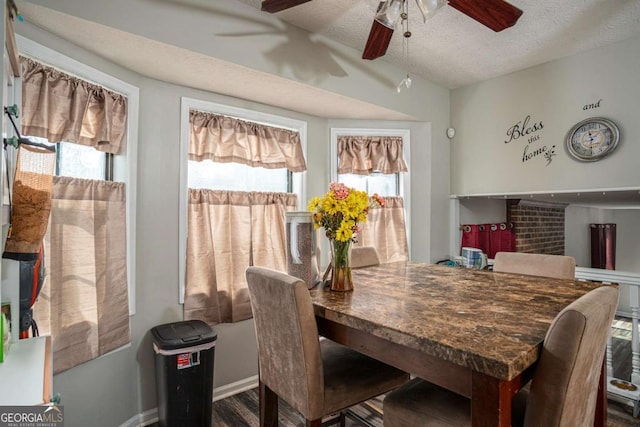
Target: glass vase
341, 280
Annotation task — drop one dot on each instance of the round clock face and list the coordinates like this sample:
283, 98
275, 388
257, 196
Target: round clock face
592, 139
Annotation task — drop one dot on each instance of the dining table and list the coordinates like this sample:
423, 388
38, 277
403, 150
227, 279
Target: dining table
475, 332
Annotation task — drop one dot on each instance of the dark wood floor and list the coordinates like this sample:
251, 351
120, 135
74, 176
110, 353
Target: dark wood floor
241, 410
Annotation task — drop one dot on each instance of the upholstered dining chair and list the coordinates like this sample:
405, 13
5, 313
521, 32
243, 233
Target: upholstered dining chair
555, 266
316, 377
364, 256
565, 383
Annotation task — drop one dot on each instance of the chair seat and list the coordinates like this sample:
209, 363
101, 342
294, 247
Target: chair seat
351, 377
421, 403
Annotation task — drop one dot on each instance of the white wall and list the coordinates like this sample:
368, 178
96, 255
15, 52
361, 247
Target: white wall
577, 233
578, 240
627, 237
555, 94
482, 211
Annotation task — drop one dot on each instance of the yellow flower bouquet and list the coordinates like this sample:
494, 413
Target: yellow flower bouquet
339, 212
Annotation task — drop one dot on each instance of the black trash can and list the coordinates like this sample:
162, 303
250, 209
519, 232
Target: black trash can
184, 373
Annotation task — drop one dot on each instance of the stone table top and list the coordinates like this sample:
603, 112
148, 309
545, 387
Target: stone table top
492, 323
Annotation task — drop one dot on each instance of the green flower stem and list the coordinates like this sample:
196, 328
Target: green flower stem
341, 253
341, 279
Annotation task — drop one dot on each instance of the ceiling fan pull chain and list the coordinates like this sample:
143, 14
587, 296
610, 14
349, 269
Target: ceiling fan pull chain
405, 46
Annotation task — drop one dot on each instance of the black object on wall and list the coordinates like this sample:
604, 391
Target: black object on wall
603, 246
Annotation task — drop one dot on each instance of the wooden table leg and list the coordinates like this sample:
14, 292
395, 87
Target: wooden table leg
268, 406
600, 419
490, 401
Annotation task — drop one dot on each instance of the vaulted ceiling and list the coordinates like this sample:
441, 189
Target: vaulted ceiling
453, 50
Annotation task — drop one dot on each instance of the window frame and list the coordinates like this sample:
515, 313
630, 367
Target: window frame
298, 180
404, 181
124, 164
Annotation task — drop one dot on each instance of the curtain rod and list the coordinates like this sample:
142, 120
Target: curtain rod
16, 141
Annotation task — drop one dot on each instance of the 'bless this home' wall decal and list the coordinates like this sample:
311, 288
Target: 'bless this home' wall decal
530, 132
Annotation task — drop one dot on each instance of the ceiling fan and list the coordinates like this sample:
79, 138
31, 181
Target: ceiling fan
495, 14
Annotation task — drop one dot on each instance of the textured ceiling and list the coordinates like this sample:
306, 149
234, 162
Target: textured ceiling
453, 50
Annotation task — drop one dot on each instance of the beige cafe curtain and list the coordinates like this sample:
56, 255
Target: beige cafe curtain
229, 231
362, 155
385, 230
84, 301
61, 107
227, 139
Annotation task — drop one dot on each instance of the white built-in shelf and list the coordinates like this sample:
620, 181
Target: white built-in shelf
25, 375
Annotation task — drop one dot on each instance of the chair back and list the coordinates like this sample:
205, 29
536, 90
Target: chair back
364, 256
565, 384
289, 356
554, 266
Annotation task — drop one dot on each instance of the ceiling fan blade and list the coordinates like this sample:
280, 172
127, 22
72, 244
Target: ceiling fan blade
495, 14
273, 6
378, 42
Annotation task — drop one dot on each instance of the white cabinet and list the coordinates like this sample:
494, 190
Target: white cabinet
26, 373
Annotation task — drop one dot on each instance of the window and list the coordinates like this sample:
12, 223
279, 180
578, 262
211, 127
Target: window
123, 165
231, 176
384, 184
237, 177
395, 186
392, 184
79, 161
84, 263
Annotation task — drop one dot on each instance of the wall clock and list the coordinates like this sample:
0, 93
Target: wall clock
592, 139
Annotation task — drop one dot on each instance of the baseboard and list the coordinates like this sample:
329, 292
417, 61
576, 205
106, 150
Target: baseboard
144, 419
235, 388
151, 416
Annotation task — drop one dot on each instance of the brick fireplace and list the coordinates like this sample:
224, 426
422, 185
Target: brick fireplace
539, 226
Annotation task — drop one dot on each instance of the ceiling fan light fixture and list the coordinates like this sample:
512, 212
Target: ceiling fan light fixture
428, 8
405, 82
389, 13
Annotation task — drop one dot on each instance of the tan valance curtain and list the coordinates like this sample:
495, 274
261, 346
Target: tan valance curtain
227, 139
362, 155
229, 231
61, 107
84, 302
385, 229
